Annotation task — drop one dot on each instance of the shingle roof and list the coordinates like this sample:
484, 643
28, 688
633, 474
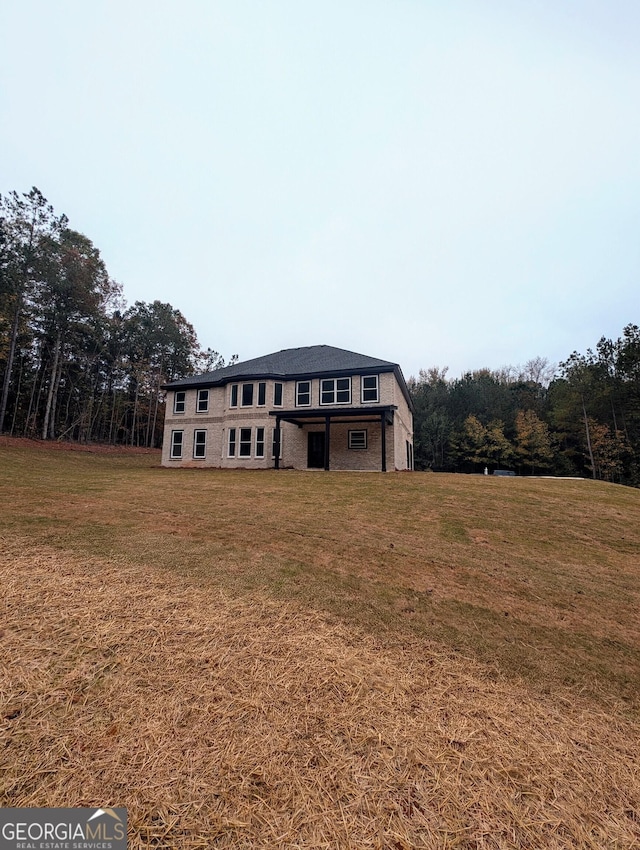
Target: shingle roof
290, 363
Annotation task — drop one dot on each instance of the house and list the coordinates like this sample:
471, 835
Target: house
316, 407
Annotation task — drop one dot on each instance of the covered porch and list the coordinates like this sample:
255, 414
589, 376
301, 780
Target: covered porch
319, 440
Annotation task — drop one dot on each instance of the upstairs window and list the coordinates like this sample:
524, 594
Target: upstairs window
247, 395
335, 391
303, 393
370, 389
277, 394
179, 401
262, 394
234, 396
203, 401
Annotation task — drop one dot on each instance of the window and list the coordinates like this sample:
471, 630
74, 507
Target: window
259, 442
335, 391
273, 443
232, 442
262, 394
358, 439
245, 442
176, 444
234, 396
303, 393
409, 455
203, 401
179, 401
247, 395
199, 444
369, 388
277, 394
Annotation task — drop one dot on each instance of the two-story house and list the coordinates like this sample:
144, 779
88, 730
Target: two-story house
316, 407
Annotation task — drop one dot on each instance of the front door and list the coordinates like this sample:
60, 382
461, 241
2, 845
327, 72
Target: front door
315, 450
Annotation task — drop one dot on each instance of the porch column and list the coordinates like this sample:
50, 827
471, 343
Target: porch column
327, 441
383, 430
276, 443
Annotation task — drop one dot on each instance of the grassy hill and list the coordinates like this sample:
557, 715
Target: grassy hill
257, 659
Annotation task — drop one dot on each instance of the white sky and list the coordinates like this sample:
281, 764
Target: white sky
433, 182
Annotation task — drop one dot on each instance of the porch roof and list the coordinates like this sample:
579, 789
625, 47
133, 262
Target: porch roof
319, 415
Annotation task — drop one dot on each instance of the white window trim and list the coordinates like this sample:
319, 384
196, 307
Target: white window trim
273, 439
183, 402
409, 454
255, 443
366, 439
242, 442
231, 404
281, 384
258, 402
173, 454
203, 444
298, 403
335, 392
235, 442
362, 390
205, 409
242, 386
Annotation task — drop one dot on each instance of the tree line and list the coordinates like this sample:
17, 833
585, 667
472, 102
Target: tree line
76, 362
581, 418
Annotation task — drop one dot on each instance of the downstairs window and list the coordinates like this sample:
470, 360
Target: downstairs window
176, 444
199, 444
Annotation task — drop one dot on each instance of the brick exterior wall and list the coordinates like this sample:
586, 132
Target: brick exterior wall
402, 429
220, 417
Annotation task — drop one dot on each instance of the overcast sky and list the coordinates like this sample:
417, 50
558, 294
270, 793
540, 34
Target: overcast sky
433, 182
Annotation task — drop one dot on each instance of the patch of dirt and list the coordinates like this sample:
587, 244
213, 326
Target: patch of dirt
67, 446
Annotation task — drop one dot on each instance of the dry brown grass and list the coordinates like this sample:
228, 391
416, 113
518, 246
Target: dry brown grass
236, 723
322, 660
538, 578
